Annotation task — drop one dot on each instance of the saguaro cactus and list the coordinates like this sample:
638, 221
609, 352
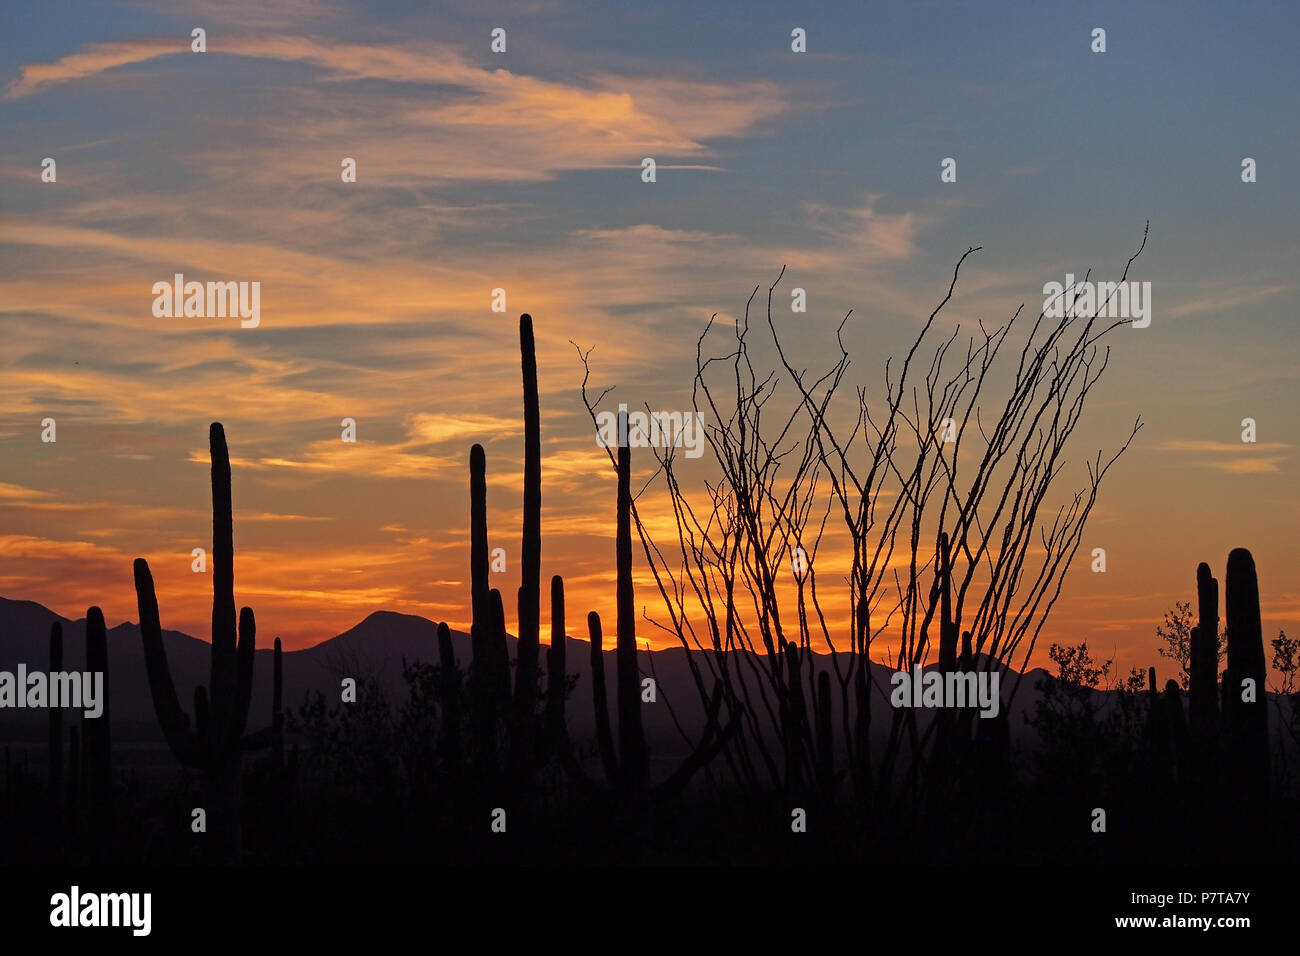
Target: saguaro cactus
491, 698
862, 699
947, 626
96, 738
1203, 665
450, 745
489, 676
631, 735
825, 745
277, 711
530, 558
1245, 708
628, 770
794, 721
557, 738
213, 742
55, 739
478, 546
599, 699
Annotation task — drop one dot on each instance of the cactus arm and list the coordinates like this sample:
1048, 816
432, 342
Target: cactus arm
451, 746
244, 675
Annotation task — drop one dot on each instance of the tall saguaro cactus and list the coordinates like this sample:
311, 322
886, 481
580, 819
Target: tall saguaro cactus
1245, 708
528, 651
212, 743
482, 682
492, 700
631, 736
531, 549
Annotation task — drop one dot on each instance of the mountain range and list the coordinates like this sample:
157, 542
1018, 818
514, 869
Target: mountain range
375, 647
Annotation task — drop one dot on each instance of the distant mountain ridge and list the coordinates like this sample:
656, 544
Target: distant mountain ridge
376, 646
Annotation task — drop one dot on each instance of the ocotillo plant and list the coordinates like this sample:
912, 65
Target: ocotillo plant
213, 742
1245, 709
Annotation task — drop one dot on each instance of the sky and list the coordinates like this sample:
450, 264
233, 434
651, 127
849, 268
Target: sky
522, 170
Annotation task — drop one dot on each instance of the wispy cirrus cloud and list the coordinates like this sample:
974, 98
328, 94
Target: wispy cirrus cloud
484, 113
95, 58
1214, 298
1236, 458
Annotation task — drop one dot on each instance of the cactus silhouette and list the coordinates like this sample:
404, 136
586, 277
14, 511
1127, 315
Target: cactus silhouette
556, 732
492, 702
96, 739
825, 751
862, 700
55, 738
794, 713
634, 758
1203, 666
277, 710
482, 682
1245, 709
272, 736
213, 742
449, 747
627, 771
524, 737
947, 626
